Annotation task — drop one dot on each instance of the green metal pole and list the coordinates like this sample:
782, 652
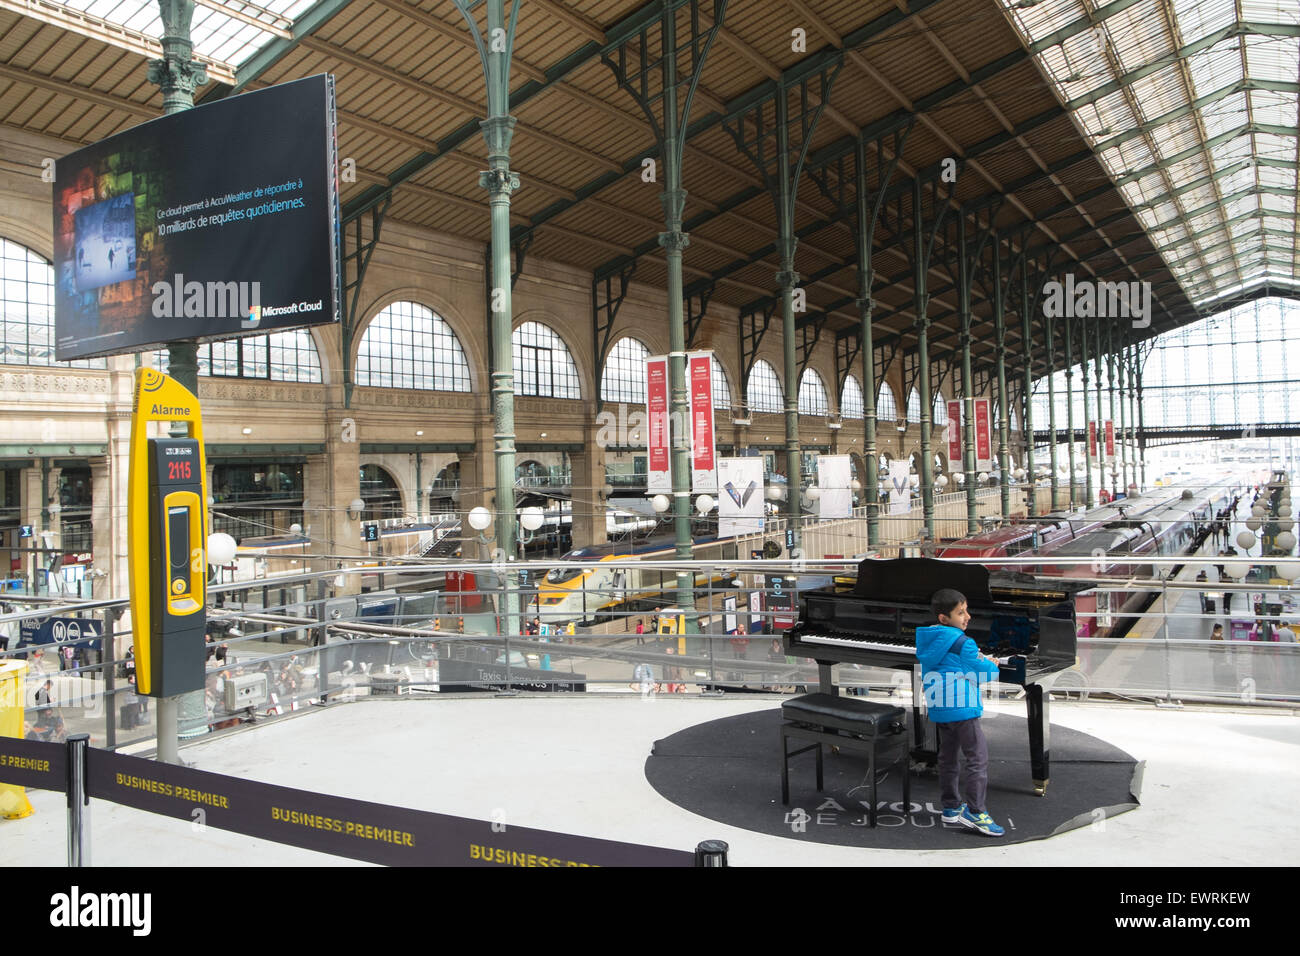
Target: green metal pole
1087, 415
1000, 346
1098, 364
922, 299
674, 242
1050, 328
787, 278
177, 74
1026, 346
1069, 401
1114, 421
500, 182
871, 480
967, 381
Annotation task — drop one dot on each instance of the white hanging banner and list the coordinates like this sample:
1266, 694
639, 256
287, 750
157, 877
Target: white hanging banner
833, 478
658, 476
699, 385
740, 502
900, 488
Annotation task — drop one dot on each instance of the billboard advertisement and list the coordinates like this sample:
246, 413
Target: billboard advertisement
209, 223
740, 503
983, 435
1110, 439
699, 383
1092, 439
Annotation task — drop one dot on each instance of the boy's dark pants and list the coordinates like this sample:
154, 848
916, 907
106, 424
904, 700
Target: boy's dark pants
968, 737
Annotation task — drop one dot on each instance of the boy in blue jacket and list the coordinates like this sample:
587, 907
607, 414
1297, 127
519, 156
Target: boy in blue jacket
953, 672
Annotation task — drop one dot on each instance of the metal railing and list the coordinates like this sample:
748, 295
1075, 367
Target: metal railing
311, 645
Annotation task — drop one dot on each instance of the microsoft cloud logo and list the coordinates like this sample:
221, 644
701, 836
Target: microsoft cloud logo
254, 318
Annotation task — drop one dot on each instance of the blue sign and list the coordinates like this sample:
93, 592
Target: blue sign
25, 531
58, 630
371, 532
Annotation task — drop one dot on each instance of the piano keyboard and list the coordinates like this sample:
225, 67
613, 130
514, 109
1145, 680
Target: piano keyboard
856, 643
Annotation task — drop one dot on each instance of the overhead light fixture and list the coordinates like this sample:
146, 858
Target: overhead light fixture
418, 433
248, 431
543, 434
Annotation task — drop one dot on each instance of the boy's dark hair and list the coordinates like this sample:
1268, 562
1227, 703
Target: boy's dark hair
945, 601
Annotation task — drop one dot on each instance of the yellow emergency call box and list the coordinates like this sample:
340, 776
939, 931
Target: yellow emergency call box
167, 526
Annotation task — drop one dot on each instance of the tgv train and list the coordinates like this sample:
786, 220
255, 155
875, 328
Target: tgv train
1115, 551
591, 582
1044, 534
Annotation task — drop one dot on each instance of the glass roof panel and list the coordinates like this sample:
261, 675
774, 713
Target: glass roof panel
225, 36
1185, 203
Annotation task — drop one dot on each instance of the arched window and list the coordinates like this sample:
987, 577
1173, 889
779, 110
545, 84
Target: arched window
851, 403
407, 345
886, 407
623, 378
27, 305
940, 415
913, 406
721, 387
764, 392
543, 365
280, 356
380, 493
812, 394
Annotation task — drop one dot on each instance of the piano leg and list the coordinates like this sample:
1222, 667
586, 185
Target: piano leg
825, 684
1040, 729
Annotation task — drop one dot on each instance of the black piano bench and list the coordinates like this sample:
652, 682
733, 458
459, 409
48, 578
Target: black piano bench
850, 723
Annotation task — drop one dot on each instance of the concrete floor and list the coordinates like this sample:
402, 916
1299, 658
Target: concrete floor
1220, 785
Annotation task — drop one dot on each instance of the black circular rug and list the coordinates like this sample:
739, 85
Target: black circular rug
729, 770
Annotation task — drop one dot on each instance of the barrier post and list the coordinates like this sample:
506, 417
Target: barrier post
78, 801
711, 853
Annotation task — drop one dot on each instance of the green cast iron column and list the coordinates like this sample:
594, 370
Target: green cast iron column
500, 182
1097, 366
786, 279
1026, 346
177, 74
1110, 387
1087, 416
871, 480
674, 242
1069, 402
1000, 344
1050, 329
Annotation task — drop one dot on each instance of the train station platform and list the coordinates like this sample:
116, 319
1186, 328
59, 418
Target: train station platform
1217, 789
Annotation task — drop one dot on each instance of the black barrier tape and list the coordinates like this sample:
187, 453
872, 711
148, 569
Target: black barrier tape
34, 763
357, 829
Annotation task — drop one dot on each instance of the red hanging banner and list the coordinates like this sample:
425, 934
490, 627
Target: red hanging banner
658, 478
954, 433
704, 467
983, 435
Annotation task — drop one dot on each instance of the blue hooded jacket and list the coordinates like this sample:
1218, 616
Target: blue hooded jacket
952, 673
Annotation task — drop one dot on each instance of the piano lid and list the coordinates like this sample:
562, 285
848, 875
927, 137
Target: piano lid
914, 580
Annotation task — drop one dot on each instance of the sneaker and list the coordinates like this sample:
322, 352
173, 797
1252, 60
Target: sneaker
953, 815
981, 823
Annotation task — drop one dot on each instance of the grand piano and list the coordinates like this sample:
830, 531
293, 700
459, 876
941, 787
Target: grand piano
1029, 623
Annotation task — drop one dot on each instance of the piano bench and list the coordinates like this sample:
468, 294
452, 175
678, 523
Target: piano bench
852, 724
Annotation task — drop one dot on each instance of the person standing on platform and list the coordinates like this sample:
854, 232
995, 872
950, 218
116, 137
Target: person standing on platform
953, 674
640, 632
43, 694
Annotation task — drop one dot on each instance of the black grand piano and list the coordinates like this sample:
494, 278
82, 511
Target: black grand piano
1027, 621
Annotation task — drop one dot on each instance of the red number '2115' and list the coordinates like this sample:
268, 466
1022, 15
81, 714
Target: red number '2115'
178, 469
